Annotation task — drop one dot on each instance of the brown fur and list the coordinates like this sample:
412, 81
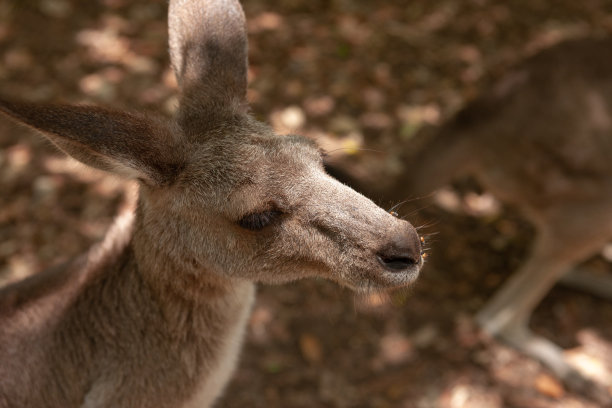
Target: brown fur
154, 315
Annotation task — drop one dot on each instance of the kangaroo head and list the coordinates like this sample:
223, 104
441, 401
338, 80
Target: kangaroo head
220, 193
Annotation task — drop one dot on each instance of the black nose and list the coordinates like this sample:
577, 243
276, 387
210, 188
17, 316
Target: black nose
402, 251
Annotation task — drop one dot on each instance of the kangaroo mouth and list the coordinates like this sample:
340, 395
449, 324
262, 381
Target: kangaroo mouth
404, 277
384, 276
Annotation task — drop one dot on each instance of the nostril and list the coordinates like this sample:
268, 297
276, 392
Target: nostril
397, 262
402, 251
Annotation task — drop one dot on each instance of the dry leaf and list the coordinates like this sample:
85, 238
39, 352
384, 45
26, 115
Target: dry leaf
311, 349
549, 386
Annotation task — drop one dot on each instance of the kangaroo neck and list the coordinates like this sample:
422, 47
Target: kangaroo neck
170, 271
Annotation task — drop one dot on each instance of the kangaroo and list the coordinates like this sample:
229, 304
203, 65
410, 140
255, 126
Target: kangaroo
154, 315
540, 140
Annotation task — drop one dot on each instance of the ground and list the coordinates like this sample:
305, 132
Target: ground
353, 75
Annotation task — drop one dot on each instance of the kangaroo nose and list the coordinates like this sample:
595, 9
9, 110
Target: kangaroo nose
402, 252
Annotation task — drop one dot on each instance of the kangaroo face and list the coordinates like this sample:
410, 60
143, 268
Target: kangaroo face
267, 211
221, 194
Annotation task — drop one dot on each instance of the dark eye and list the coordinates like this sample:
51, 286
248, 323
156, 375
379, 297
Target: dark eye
259, 220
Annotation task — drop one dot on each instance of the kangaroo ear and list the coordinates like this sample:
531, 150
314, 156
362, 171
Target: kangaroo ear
130, 145
208, 50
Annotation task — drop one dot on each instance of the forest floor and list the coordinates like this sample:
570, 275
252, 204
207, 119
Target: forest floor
353, 75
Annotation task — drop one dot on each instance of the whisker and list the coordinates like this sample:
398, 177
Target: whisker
359, 149
417, 210
423, 197
406, 201
426, 225
396, 206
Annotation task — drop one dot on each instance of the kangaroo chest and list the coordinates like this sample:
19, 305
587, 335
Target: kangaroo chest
212, 383
191, 373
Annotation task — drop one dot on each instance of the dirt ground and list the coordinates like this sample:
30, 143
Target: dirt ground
352, 75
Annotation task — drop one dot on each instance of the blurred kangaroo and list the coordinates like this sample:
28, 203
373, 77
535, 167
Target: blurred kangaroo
155, 314
540, 140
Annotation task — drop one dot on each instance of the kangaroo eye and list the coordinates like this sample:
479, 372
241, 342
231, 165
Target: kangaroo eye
259, 220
